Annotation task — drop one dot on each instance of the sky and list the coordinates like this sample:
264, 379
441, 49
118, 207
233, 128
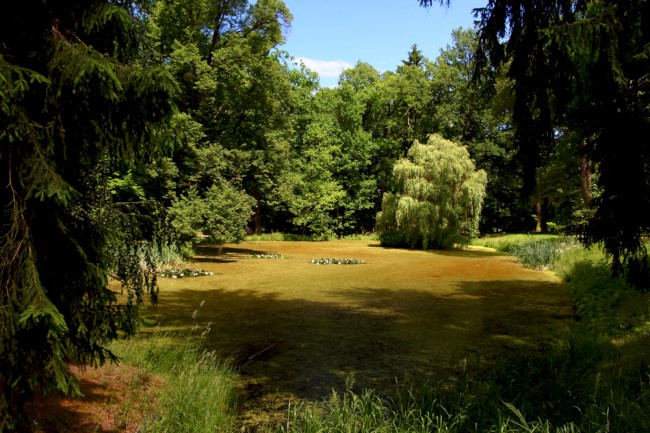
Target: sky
332, 35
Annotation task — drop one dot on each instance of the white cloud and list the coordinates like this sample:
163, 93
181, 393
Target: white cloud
325, 68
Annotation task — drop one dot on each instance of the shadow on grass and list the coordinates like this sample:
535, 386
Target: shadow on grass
300, 348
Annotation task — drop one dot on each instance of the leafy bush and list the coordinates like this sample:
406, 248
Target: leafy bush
393, 238
221, 213
162, 254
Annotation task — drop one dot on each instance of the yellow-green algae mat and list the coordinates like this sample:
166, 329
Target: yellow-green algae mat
296, 330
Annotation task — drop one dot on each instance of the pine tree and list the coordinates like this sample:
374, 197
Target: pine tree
415, 58
439, 197
73, 101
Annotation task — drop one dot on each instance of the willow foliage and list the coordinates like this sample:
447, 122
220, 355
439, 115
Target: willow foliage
439, 198
73, 101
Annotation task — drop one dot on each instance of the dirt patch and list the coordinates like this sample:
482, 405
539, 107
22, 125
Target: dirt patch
115, 399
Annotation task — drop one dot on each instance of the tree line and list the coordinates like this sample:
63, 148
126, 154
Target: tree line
259, 146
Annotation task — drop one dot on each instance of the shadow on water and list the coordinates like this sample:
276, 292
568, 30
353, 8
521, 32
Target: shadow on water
299, 348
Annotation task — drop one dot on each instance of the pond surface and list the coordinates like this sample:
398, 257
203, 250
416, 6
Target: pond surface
296, 330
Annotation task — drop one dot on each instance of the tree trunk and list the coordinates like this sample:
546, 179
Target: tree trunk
216, 35
258, 212
541, 226
585, 176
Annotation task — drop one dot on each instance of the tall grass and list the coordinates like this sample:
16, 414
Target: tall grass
161, 254
561, 389
198, 388
542, 253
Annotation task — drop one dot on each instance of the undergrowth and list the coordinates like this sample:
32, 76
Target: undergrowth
602, 301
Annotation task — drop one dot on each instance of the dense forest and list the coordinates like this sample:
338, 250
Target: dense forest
169, 121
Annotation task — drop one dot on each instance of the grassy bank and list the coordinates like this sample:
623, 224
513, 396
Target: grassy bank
197, 393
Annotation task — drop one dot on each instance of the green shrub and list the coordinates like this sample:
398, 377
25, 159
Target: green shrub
162, 254
221, 212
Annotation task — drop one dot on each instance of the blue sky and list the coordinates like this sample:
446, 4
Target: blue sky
329, 36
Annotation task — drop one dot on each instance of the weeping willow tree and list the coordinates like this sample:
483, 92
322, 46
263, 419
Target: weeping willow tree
73, 100
439, 198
